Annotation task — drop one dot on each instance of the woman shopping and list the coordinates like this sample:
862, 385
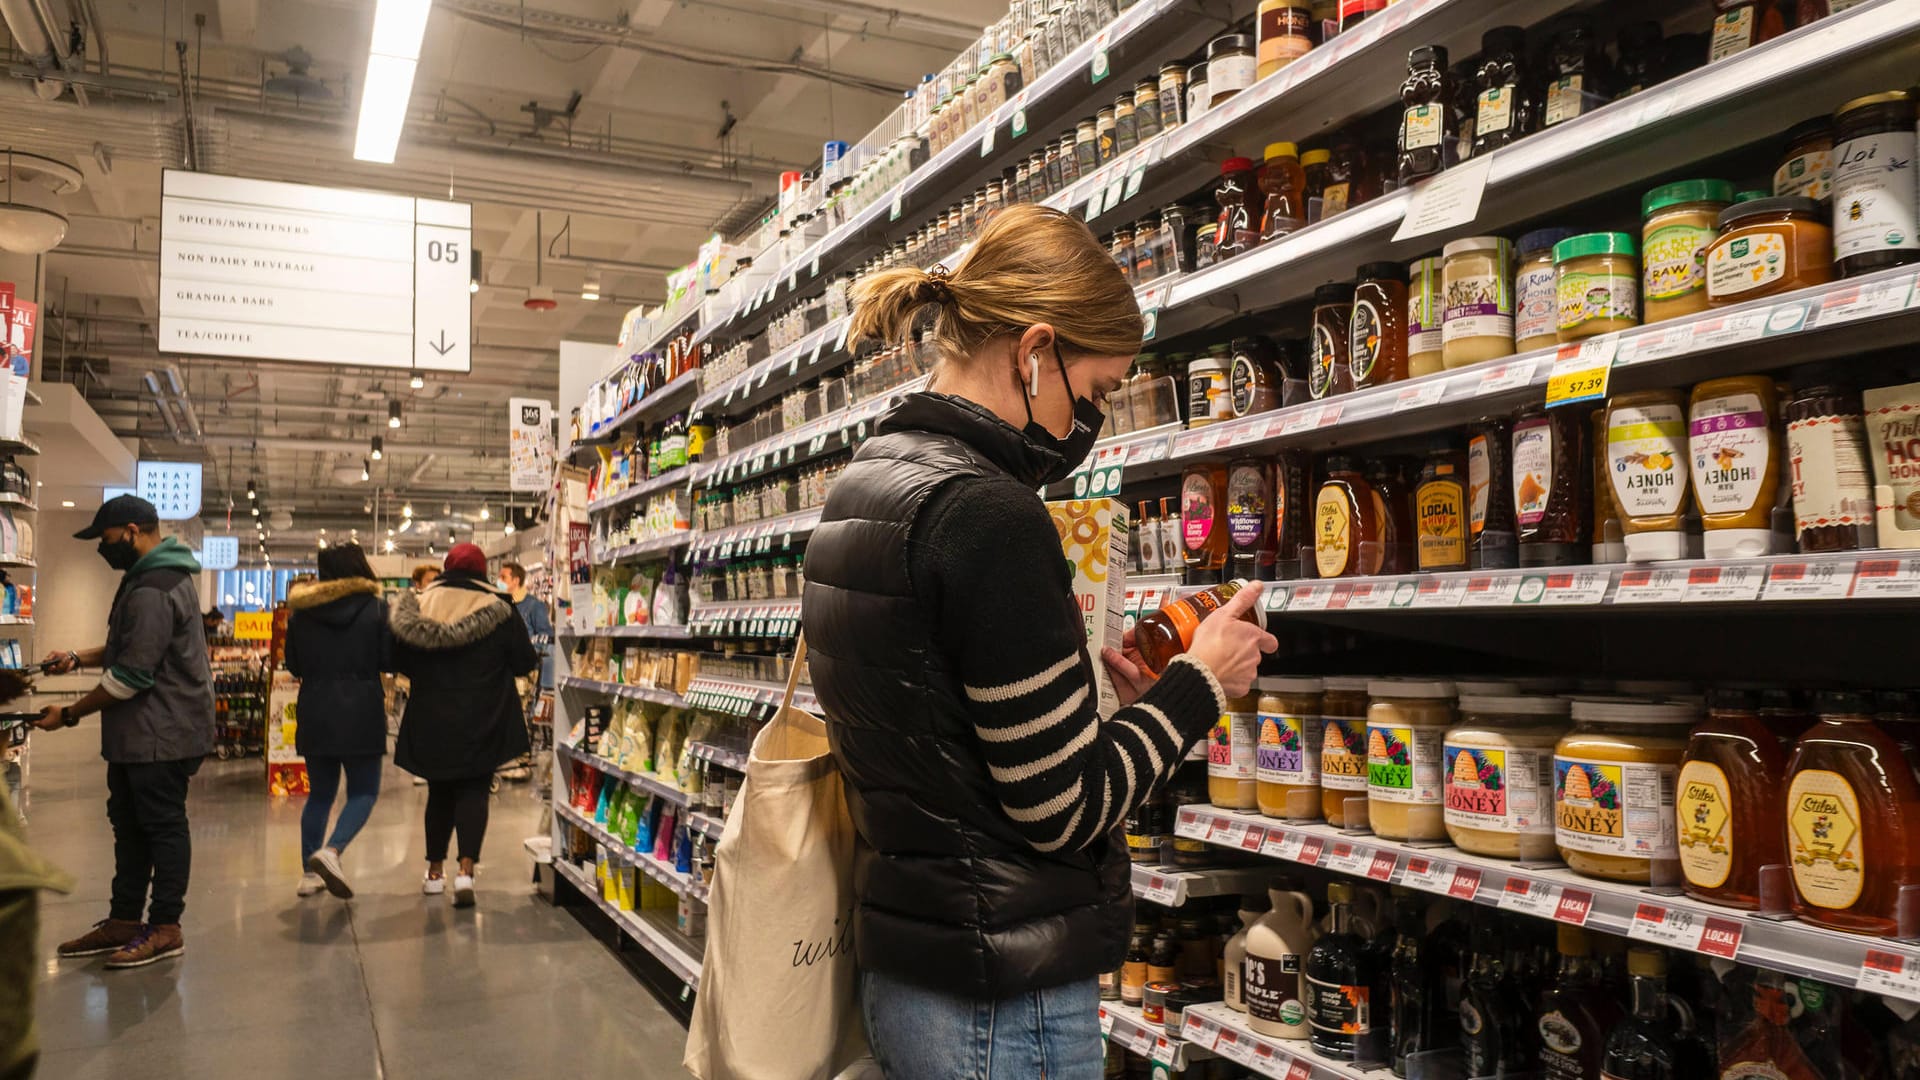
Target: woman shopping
951, 661
337, 646
460, 643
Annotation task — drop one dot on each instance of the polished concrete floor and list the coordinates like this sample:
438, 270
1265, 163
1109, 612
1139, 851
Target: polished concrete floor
389, 984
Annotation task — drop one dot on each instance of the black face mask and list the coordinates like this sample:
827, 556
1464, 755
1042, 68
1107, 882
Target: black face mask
120, 555
1087, 420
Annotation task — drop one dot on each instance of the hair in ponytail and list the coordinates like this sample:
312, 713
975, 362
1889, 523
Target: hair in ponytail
1032, 265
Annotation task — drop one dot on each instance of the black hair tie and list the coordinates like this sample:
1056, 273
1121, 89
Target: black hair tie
935, 289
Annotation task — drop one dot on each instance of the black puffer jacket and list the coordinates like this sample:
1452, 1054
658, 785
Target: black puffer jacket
460, 644
337, 646
954, 893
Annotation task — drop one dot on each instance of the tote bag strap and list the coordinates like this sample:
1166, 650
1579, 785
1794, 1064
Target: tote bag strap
793, 671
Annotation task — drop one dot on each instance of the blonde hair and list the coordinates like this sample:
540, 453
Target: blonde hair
1032, 265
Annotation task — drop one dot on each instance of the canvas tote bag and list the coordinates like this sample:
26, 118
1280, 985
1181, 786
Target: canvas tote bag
778, 997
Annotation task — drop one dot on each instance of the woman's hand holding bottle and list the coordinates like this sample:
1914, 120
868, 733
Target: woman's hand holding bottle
1230, 643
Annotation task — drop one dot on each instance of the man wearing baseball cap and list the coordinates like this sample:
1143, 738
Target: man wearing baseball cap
155, 700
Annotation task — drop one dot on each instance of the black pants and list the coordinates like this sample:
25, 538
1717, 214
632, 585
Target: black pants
147, 804
457, 804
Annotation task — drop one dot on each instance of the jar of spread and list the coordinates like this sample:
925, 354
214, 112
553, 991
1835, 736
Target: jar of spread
1256, 382
1536, 302
1086, 145
1231, 67
1731, 440
1492, 543
1180, 223
1002, 83
1730, 801
1680, 221
1106, 132
1597, 280
1440, 510
1209, 394
1126, 130
1613, 788
1146, 109
1425, 315
1343, 750
1476, 279
1287, 759
1240, 204
1550, 477
1151, 254
1806, 167
1120, 246
1644, 458
1833, 501
1172, 86
1377, 342
1230, 781
1768, 246
1742, 24
1498, 763
1407, 722
1286, 31
1197, 91
1348, 522
1327, 366
1874, 199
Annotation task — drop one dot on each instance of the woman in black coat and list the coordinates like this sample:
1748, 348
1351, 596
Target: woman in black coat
337, 646
460, 643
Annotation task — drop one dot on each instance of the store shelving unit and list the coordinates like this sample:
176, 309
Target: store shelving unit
646, 782
642, 632
640, 489
665, 874
679, 955
654, 694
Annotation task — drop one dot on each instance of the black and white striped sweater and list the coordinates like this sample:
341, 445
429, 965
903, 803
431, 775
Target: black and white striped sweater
984, 550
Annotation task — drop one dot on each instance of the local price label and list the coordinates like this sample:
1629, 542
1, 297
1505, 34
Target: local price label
1466, 883
1529, 896
1310, 850
1381, 868
1574, 907
1887, 577
1580, 372
1651, 587
1440, 592
1283, 844
1884, 971
1348, 858
1682, 929
1431, 875
1723, 584
1160, 890
1807, 581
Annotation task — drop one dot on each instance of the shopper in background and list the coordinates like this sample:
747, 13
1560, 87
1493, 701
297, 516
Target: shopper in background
212, 621
337, 646
951, 660
424, 575
460, 644
155, 701
533, 611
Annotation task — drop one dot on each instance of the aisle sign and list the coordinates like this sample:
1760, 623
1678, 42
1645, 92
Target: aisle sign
530, 447
264, 270
219, 553
253, 626
173, 487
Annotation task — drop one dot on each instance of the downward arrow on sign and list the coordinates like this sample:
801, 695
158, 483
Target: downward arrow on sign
443, 346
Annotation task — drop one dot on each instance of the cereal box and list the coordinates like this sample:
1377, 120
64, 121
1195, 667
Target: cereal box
1093, 536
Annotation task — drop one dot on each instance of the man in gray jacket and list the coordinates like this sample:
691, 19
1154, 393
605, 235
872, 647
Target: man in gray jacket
155, 698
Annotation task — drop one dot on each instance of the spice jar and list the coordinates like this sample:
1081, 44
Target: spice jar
1327, 370
1069, 161
1287, 758
1614, 777
1179, 223
1146, 109
1197, 92
1536, 304
1440, 510
1285, 32
1498, 764
1209, 396
1150, 252
1476, 280
1231, 67
1348, 522
1426, 312
1086, 145
1833, 503
1377, 340
1427, 141
1240, 205
1172, 86
1105, 132
1680, 221
1768, 246
1343, 750
1806, 167
1874, 221
1597, 279
1550, 478
1126, 132
1407, 722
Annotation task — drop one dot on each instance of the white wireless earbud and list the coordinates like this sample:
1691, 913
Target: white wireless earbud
1033, 374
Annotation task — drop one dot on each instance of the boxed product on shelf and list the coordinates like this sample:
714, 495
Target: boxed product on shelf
1093, 536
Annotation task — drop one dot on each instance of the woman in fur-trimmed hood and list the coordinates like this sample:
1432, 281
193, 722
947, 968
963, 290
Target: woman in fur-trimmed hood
337, 645
460, 643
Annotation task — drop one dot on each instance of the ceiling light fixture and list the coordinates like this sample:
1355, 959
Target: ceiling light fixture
254, 510
591, 290
67, 503
393, 412
485, 514
417, 382
508, 529
473, 283
389, 546
250, 495
407, 510
379, 448
365, 472
394, 53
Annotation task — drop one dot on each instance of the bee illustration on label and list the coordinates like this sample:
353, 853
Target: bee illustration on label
1855, 211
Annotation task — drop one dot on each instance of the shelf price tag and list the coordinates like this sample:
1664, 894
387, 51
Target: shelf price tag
1580, 372
1116, 190
1723, 584
1508, 376
1806, 581
1282, 844
1381, 868
1234, 1046
1866, 301
1440, 592
1485, 590
1019, 125
1370, 596
1163, 1050
1135, 178
1158, 889
1431, 875
1885, 972
1200, 1031
1651, 587
986, 139
1724, 330
1419, 397
1886, 577
1466, 883
1348, 858
1099, 68
1529, 896
1663, 925
893, 212
1106, 1021
1310, 597
1310, 849
1660, 343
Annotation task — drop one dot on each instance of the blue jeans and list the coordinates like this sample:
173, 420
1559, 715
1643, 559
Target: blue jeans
921, 1034
323, 782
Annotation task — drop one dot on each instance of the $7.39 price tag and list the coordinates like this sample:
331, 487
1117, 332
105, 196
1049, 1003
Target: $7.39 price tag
1580, 372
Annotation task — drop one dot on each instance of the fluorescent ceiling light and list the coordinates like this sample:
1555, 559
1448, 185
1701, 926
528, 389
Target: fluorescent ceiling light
383, 107
398, 27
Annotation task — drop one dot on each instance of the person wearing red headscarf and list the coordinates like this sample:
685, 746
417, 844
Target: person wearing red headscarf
460, 643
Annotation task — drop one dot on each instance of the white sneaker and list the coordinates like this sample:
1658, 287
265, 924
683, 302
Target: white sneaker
326, 863
310, 884
463, 890
433, 886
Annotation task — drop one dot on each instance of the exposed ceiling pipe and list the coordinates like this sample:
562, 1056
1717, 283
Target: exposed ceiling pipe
40, 29
420, 470
152, 382
189, 419
99, 30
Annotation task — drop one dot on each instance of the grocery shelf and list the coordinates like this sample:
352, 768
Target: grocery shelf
1225, 1033
645, 549
644, 781
748, 618
768, 378
1557, 893
658, 695
683, 884
804, 442
725, 542
15, 563
21, 447
665, 944
719, 755
1173, 886
1125, 1026
643, 632
1704, 112
745, 697
706, 823
670, 478
15, 621
661, 402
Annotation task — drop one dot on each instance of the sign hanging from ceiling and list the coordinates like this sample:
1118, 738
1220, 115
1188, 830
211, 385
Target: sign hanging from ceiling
530, 451
264, 270
219, 553
173, 487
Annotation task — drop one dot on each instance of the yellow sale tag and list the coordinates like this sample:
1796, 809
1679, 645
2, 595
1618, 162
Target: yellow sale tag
1580, 371
253, 626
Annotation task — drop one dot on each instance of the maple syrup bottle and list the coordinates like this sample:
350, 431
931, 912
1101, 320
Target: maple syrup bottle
1346, 988
1421, 1020
1656, 1040
1766, 1049
1576, 1014
1494, 1017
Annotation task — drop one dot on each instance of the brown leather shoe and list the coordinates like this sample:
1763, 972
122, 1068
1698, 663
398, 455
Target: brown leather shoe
155, 942
107, 935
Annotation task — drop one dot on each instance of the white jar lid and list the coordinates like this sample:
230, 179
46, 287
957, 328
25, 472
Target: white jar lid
1472, 243
1514, 706
1290, 684
1347, 683
1410, 688
1485, 687
1631, 711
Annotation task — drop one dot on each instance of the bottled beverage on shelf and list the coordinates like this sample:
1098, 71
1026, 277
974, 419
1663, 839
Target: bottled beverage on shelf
1234, 956
1203, 523
1766, 1048
1495, 1019
1422, 1022
1576, 1015
1273, 968
1657, 1040
1165, 634
1347, 988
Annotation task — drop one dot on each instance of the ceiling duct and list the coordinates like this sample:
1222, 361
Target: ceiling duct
297, 82
152, 383
41, 30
